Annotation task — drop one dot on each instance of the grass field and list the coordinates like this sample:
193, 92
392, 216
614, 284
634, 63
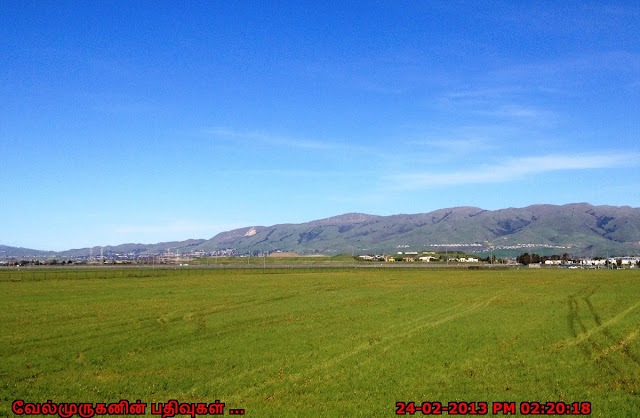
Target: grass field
323, 342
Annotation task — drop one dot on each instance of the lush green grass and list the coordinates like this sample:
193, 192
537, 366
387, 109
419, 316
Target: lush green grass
330, 342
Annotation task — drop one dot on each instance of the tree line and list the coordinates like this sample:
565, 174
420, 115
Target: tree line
527, 258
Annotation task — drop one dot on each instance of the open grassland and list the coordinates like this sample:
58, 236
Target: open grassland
323, 342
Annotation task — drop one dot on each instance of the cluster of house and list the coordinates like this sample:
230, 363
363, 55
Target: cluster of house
595, 262
412, 256
630, 261
583, 263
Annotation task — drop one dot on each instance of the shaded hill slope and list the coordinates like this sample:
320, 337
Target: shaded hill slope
579, 228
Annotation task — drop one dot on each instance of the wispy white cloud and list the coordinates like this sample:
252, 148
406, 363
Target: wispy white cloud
481, 93
451, 143
514, 169
569, 75
517, 111
457, 144
510, 103
270, 139
291, 173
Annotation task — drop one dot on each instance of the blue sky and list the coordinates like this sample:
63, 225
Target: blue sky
158, 121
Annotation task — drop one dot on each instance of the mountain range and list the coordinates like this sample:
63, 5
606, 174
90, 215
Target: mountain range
577, 229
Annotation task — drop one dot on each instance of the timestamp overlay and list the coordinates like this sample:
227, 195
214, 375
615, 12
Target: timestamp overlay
493, 408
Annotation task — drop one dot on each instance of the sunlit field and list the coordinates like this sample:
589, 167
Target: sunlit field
322, 342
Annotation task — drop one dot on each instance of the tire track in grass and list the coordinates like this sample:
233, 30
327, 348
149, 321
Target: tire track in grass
344, 356
475, 307
601, 352
621, 345
390, 338
607, 333
600, 326
581, 331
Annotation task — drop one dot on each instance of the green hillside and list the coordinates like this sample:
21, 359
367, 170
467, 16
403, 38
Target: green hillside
576, 228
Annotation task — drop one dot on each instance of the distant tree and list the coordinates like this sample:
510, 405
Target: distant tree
524, 259
565, 257
527, 258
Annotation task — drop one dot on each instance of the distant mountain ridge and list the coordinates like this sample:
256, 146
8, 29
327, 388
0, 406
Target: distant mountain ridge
578, 228
16, 252
108, 251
